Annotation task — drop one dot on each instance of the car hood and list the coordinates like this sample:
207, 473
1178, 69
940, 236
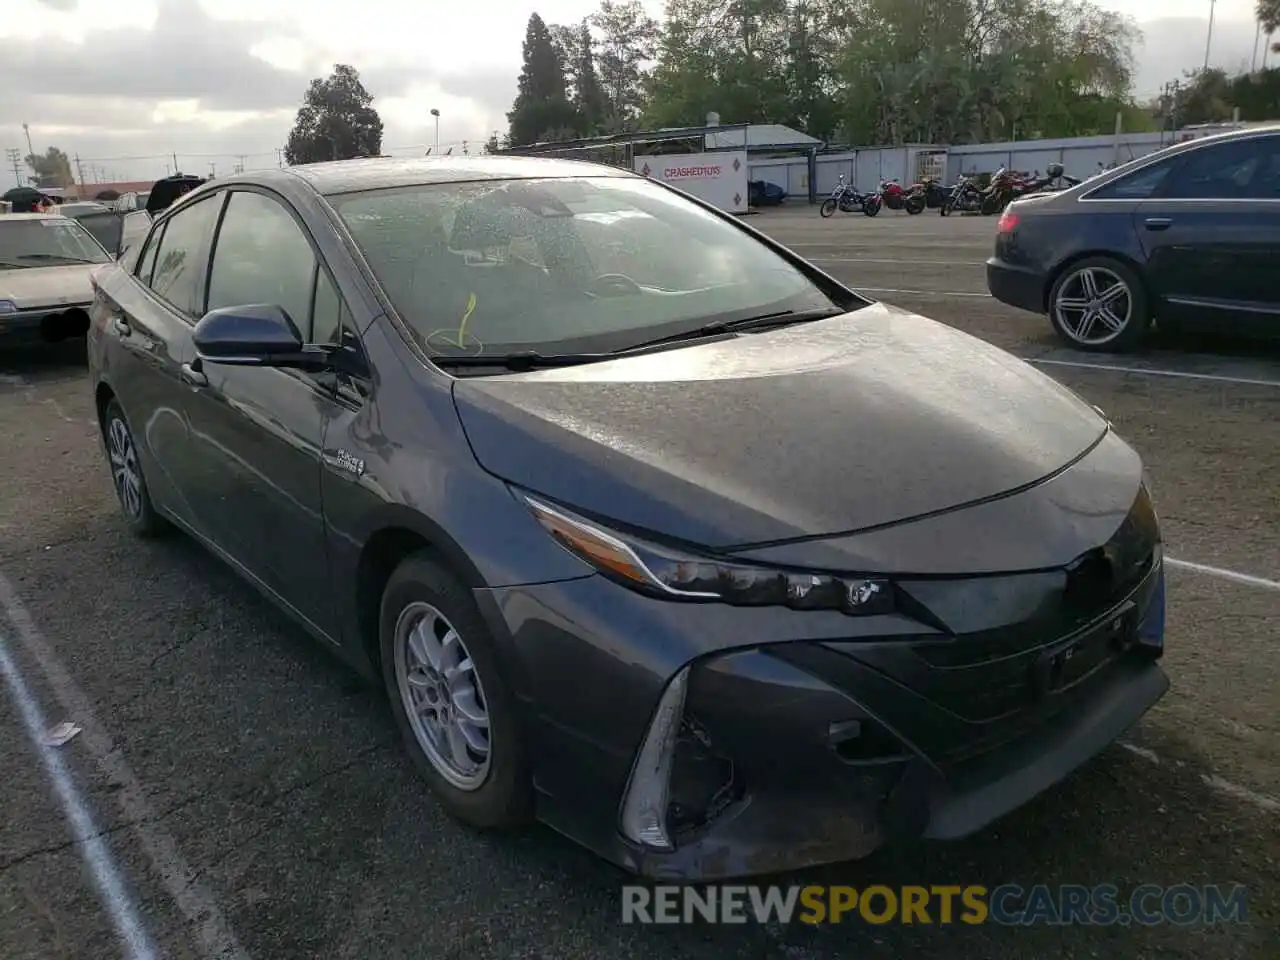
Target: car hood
33, 287
835, 426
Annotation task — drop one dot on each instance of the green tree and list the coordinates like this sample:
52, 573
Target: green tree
628, 42
1268, 16
542, 109
51, 169
588, 95
337, 121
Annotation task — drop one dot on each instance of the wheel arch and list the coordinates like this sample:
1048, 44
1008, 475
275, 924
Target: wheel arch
392, 535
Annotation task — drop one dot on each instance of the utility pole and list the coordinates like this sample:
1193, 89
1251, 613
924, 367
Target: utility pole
1208, 41
239, 167
213, 169
175, 164
280, 157
1257, 35
80, 173
14, 156
27, 130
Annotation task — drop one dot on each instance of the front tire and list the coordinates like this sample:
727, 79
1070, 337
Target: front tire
827, 209
915, 205
1099, 304
449, 698
127, 476
872, 206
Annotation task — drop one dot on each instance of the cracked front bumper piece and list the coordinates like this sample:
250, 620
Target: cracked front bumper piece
894, 763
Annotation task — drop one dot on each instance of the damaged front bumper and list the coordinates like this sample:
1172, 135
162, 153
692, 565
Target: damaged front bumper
773, 757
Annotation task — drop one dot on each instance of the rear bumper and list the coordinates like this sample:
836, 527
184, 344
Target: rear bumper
1016, 286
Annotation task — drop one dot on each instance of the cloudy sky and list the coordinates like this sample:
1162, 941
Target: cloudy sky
127, 84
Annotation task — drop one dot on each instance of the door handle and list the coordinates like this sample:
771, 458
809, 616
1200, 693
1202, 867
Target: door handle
121, 326
193, 376
1157, 223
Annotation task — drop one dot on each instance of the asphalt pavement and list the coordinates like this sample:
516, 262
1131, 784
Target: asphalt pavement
234, 792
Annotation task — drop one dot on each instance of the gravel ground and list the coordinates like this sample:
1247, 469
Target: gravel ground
244, 789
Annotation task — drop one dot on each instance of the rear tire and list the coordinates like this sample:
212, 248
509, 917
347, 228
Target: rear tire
477, 770
1100, 284
871, 207
828, 208
127, 476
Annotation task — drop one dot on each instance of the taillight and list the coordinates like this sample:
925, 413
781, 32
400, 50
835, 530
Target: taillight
1007, 222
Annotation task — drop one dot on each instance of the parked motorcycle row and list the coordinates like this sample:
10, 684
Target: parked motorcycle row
964, 196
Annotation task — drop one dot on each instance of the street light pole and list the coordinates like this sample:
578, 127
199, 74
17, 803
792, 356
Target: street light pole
1208, 41
436, 113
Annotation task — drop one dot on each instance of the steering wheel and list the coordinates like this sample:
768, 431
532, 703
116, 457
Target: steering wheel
613, 285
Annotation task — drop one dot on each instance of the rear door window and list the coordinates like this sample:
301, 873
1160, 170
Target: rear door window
182, 254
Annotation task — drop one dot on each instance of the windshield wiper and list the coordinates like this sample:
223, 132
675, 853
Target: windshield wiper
55, 256
533, 360
521, 361
778, 318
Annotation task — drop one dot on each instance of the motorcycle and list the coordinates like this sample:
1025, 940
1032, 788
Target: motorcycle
896, 197
1004, 188
935, 193
964, 197
848, 200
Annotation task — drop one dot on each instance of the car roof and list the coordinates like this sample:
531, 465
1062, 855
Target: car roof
375, 173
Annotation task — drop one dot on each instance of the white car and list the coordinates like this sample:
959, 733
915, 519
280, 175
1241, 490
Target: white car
45, 265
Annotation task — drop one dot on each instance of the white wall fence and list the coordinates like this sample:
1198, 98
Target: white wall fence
865, 167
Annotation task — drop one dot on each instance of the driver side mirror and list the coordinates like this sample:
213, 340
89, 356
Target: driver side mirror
255, 335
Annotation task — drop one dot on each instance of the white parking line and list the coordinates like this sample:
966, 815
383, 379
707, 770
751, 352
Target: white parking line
905, 263
1213, 781
214, 934
922, 293
1114, 368
1248, 579
124, 915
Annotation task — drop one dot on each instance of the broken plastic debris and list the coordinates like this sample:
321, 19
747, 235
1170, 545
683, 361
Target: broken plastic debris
61, 734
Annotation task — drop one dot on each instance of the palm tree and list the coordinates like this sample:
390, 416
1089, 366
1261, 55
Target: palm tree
1268, 16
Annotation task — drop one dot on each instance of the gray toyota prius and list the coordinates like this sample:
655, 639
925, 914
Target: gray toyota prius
652, 530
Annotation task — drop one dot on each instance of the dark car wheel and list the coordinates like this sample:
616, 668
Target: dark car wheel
454, 711
1099, 304
127, 476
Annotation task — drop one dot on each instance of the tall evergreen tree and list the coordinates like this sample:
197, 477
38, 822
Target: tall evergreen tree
542, 108
588, 94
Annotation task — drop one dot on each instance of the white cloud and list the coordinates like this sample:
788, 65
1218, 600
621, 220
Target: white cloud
125, 84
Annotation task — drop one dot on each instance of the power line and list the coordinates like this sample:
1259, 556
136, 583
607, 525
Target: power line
14, 156
241, 155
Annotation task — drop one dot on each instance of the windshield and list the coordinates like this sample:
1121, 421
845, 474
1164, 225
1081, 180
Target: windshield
563, 265
35, 243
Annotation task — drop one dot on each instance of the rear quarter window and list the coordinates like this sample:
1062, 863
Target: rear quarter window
1139, 185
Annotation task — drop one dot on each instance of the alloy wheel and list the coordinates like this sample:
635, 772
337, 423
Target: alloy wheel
442, 696
124, 467
1093, 306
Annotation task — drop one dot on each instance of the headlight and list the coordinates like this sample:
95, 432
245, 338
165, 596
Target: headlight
672, 575
8, 306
